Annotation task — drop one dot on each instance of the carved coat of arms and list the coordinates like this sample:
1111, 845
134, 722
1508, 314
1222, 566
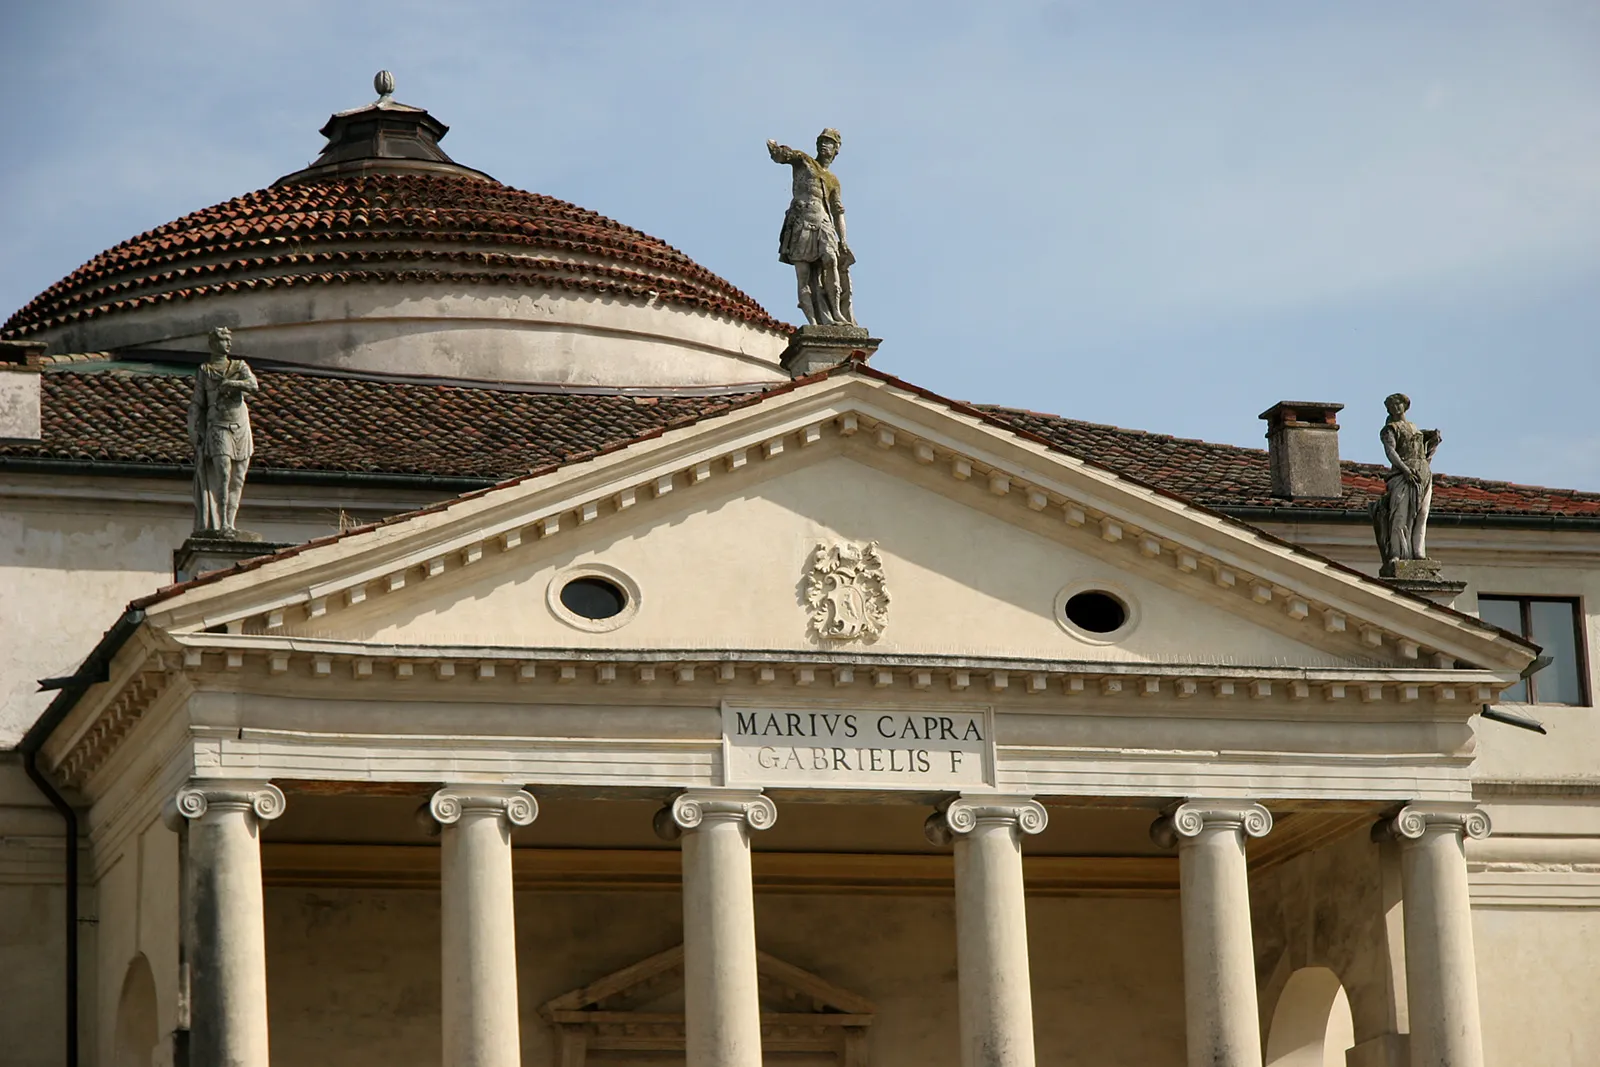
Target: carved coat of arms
845, 590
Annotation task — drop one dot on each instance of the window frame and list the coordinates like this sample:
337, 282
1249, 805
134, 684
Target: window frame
1525, 602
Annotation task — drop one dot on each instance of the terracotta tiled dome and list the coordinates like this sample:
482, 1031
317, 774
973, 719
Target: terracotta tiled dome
376, 226
386, 255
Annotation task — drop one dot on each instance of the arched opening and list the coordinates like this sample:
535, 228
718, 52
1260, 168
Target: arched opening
1312, 1025
137, 1027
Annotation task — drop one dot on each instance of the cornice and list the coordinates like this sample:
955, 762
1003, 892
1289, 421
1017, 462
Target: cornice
358, 671
334, 661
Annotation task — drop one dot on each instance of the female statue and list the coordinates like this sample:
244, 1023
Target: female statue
1401, 517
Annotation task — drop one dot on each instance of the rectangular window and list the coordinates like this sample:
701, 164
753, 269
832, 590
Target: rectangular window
1554, 623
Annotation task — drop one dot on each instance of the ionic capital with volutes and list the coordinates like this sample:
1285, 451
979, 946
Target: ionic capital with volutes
1189, 819
1412, 822
964, 814
194, 800
697, 807
515, 805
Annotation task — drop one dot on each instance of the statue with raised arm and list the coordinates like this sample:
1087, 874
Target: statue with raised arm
219, 433
1401, 517
813, 237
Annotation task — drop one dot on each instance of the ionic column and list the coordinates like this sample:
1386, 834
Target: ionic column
1441, 969
478, 944
225, 927
722, 1014
1219, 970
996, 1000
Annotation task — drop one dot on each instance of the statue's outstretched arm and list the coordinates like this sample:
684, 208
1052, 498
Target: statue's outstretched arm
781, 153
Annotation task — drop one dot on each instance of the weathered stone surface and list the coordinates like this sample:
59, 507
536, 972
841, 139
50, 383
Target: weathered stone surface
219, 432
1303, 448
1400, 518
815, 348
214, 550
813, 234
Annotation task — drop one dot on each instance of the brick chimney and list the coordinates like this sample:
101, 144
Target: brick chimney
1303, 443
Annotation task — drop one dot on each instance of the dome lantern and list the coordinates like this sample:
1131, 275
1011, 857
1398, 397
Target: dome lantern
384, 136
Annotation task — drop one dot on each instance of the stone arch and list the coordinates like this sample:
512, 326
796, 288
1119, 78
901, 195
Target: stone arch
1311, 1025
138, 1026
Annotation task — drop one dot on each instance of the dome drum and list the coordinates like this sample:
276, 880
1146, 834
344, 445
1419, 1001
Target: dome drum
453, 329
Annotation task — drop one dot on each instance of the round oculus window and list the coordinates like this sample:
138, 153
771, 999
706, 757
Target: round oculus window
594, 598
1096, 611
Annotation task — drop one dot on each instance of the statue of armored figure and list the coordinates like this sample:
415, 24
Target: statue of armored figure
1400, 519
813, 237
219, 433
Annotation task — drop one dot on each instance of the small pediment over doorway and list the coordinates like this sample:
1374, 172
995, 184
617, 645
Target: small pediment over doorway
634, 1017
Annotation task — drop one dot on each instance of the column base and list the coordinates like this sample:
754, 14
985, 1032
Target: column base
1385, 1050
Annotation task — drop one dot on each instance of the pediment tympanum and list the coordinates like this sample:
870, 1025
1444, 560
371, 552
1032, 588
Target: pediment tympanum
636, 1015
730, 569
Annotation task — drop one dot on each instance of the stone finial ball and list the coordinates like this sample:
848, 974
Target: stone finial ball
383, 81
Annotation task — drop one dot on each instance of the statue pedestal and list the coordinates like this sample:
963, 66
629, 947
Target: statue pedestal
205, 551
1423, 577
816, 348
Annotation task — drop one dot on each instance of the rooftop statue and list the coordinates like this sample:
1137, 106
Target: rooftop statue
1401, 517
813, 236
219, 433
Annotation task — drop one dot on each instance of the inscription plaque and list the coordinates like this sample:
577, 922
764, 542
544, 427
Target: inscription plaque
852, 747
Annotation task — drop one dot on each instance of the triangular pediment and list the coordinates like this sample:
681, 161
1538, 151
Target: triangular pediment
654, 985
711, 530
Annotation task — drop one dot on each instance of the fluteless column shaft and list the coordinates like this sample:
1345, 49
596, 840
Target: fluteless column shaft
478, 919
1219, 970
1441, 965
721, 1010
996, 997
226, 925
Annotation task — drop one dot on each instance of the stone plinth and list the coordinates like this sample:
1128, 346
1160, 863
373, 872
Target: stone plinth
816, 348
205, 551
1423, 577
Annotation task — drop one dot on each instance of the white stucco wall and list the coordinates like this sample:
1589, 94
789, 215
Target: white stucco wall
1536, 985
74, 551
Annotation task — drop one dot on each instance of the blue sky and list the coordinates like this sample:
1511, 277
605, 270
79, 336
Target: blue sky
1160, 215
